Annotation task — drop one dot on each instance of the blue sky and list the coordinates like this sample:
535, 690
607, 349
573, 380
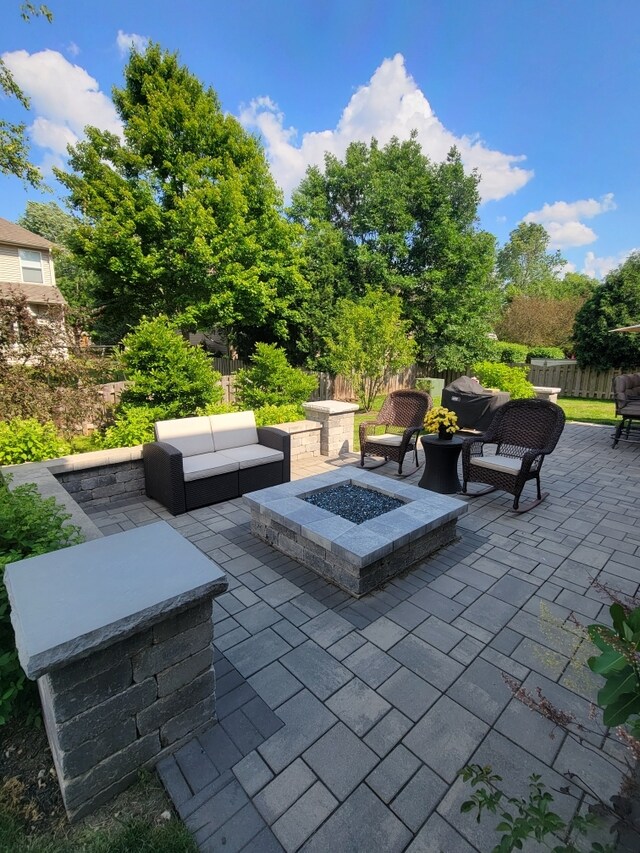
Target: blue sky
540, 95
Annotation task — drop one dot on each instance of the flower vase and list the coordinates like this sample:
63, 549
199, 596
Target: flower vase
443, 435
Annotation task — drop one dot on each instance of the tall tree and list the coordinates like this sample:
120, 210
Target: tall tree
409, 227
53, 223
181, 216
14, 148
615, 303
525, 266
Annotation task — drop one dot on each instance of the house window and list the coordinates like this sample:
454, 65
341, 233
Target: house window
31, 265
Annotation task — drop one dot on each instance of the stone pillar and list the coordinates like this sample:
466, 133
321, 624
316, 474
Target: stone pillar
119, 634
336, 418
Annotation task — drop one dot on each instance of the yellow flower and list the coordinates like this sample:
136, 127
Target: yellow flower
438, 417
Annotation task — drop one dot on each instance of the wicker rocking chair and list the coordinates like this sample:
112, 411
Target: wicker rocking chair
402, 417
524, 432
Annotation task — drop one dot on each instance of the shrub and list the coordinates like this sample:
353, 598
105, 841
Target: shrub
545, 352
509, 353
269, 415
29, 441
271, 381
29, 525
167, 374
133, 425
511, 379
218, 409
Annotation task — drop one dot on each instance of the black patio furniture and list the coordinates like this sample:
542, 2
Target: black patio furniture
523, 433
626, 392
474, 405
402, 417
440, 464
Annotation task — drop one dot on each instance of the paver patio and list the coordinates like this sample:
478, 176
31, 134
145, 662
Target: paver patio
343, 722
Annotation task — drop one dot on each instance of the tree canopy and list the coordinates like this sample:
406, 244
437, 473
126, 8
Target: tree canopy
525, 266
181, 215
14, 148
615, 303
388, 218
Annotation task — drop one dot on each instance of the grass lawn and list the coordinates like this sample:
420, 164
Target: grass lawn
589, 411
575, 409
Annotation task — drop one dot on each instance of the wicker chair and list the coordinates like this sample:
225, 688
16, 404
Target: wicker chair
402, 416
626, 393
524, 432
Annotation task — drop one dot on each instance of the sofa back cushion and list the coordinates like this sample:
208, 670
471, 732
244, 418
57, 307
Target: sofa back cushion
190, 435
237, 429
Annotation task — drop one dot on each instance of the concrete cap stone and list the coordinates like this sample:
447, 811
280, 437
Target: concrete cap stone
72, 602
330, 407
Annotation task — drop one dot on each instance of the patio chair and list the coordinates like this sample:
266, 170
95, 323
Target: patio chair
523, 433
626, 392
402, 417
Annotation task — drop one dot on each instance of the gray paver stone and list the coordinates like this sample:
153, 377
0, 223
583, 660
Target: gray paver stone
358, 706
371, 664
393, 773
481, 690
384, 633
418, 798
316, 669
252, 773
341, 760
258, 651
236, 833
409, 693
435, 667
304, 816
305, 720
437, 836
386, 734
284, 790
275, 684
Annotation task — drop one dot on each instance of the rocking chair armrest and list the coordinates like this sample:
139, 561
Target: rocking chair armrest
530, 457
364, 429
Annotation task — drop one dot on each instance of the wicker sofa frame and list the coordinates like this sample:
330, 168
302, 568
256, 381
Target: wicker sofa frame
402, 410
626, 393
164, 475
524, 430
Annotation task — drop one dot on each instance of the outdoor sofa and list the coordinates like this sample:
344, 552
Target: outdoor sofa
203, 460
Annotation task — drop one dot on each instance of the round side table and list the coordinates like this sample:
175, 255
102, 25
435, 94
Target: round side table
440, 464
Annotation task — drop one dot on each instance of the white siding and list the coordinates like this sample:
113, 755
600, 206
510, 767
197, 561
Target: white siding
10, 265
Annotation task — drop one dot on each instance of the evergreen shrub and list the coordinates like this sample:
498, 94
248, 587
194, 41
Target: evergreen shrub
272, 381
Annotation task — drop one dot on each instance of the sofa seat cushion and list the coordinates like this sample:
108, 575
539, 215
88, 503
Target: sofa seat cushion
387, 438
236, 429
254, 454
506, 464
207, 465
190, 435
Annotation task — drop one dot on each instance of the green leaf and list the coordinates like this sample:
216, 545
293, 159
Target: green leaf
608, 661
624, 682
619, 712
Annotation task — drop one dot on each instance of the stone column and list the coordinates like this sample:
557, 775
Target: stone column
118, 633
336, 418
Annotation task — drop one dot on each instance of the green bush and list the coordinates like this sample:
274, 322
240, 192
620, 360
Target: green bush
133, 425
509, 353
269, 415
511, 379
29, 525
545, 352
167, 374
271, 381
218, 409
29, 441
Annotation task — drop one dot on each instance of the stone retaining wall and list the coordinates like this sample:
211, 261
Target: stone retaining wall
104, 483
112, 713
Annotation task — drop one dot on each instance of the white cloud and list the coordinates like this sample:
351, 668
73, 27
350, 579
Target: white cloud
73, 49
126, 41
65, 98
390, 104
562, 220
599, 267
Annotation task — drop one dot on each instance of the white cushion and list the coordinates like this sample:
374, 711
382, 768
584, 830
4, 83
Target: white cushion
190, 435
207, 465
507, 464
254, 454
237, 429
386, 438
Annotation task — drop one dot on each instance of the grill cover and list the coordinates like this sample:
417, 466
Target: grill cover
474, 406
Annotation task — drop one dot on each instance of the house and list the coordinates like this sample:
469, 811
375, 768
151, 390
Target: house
26, 269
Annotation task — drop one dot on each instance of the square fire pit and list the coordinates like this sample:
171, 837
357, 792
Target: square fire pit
357, 557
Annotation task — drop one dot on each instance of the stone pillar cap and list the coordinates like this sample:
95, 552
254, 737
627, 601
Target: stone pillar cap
72, 602
331, 407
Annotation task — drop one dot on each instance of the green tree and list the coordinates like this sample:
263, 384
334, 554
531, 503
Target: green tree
369, 341
409, 227
615, 303
523, 264
166, 373
182, 216
51, 222
271, 381
14, 148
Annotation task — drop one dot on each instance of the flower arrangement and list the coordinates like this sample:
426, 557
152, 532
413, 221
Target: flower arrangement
441, 420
